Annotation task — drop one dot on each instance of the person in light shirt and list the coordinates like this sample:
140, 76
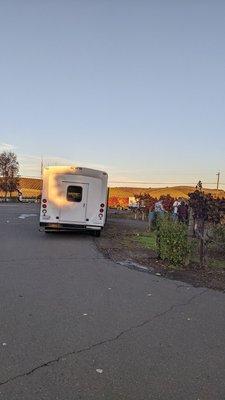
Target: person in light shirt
176, 204
159, 208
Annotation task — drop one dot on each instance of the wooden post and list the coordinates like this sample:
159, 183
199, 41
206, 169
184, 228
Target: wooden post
158, 241
202, 245
190, 224
189, 234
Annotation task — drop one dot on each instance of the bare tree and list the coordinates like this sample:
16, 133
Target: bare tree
9, 168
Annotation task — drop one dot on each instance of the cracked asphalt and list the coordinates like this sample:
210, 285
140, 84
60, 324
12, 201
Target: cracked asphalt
75, 325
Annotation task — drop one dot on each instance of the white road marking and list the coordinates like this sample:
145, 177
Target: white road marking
23, 216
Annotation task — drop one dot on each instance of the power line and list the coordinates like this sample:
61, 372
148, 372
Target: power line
149, 183
164, 183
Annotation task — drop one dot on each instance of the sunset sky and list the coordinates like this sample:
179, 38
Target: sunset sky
136, 88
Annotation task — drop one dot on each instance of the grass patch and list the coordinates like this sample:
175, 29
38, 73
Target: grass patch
213, 263
214, 259
148, 240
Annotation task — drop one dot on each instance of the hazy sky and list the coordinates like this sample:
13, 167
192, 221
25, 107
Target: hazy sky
133, 87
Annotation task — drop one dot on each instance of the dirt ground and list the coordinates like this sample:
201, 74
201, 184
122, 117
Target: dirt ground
119, 242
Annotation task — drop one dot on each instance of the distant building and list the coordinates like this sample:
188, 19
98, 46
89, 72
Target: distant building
132, 202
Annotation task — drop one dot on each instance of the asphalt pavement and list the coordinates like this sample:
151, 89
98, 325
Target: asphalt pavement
75, 325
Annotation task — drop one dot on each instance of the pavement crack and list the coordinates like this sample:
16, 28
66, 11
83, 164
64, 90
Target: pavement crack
100, 343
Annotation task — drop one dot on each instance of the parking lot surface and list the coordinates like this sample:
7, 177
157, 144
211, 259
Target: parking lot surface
75, 325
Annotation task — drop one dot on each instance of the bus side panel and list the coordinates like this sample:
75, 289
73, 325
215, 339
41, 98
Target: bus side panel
97, 196
49, 211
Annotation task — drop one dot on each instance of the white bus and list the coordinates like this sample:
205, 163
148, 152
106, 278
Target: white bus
73, 198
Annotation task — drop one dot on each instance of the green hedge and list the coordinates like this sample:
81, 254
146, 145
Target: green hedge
172, 240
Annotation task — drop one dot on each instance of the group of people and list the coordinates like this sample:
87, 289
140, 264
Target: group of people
179, 211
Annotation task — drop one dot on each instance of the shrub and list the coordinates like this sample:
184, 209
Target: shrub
207, 208
167, 202
218, 237
146, 200
172, 240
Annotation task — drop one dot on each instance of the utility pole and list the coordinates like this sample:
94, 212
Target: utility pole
41, 166
218, 182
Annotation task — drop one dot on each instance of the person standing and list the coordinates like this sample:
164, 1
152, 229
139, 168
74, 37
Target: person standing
182, 212
176, 204
159, 208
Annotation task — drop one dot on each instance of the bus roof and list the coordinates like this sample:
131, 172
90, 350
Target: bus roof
72, 169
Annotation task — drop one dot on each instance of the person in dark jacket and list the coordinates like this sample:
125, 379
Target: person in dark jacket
183, 212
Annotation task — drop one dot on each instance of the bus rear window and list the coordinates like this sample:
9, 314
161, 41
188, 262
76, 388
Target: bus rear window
74, 193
